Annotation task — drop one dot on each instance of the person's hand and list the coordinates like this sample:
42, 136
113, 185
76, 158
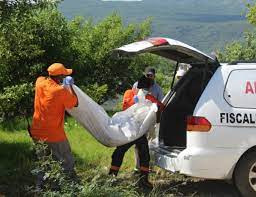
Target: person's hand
136, 99
68, 81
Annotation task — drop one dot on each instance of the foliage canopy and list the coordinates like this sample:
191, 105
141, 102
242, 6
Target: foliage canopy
246, 49
34, 34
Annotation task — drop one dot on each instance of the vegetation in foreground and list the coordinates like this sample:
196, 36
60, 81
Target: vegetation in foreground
18, 165
31, 38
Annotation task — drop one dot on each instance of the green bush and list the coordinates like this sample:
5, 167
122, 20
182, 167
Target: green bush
14, 100
245, 49
29, 42
92, 46
33, 36
236, 50
96, 92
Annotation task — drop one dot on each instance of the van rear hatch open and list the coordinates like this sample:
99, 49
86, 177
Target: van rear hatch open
181, 100
168, 48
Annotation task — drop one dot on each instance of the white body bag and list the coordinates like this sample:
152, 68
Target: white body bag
122, 128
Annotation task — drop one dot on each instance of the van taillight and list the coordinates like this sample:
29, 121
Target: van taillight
200, 124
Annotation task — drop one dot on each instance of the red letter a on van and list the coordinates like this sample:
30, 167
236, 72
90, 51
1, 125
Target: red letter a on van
249, 88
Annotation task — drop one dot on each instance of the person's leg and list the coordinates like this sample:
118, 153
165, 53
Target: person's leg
117, 158
143, 150
152, 138
142, 144
151, 134
61, 151
136, 159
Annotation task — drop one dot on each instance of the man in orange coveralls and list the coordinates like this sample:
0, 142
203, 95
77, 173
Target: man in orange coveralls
51, 100
142, 143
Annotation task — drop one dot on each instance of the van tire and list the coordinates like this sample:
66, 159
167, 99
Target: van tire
246, 165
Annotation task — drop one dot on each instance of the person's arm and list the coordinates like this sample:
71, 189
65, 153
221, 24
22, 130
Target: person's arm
135, 85
72, 92
68, 82
128, 99
154, 100
69, 96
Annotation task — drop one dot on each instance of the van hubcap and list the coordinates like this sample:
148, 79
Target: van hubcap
252, 176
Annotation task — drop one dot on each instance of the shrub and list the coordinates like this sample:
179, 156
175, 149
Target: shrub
15, 100
33, 36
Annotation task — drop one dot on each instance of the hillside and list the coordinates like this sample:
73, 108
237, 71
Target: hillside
204, 24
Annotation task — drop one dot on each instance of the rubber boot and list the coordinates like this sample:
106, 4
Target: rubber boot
112, 172
136, 171
72, 176
144, 182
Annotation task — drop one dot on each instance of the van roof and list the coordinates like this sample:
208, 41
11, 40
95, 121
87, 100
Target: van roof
242, 62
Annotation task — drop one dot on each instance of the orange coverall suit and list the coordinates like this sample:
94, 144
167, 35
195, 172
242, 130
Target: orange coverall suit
51, 100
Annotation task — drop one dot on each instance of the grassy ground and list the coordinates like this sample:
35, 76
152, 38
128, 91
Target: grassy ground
92, 163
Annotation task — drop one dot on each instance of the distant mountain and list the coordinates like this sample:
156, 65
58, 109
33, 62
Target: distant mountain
204, 24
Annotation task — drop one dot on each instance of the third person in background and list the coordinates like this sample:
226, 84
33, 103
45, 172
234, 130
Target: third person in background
156, 91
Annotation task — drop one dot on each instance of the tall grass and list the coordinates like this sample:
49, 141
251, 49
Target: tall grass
17, 160
88, 151
17, 156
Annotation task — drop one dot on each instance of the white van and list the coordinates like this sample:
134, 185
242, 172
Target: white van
208, 128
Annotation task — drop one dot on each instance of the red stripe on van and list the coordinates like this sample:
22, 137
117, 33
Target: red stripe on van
157, 41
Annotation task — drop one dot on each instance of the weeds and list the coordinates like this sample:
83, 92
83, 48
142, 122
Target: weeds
92, 163
57, 183
50, 177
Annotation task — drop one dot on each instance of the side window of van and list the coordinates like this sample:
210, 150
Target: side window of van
240, 89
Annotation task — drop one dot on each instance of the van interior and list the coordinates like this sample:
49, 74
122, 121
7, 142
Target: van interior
180, 103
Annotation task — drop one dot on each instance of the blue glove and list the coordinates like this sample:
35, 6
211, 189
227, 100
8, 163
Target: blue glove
68, 81
136, 99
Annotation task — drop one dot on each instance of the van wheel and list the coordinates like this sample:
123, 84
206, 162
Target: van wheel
245, 175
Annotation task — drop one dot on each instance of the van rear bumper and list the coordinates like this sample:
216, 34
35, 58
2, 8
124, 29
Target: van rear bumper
210, 163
